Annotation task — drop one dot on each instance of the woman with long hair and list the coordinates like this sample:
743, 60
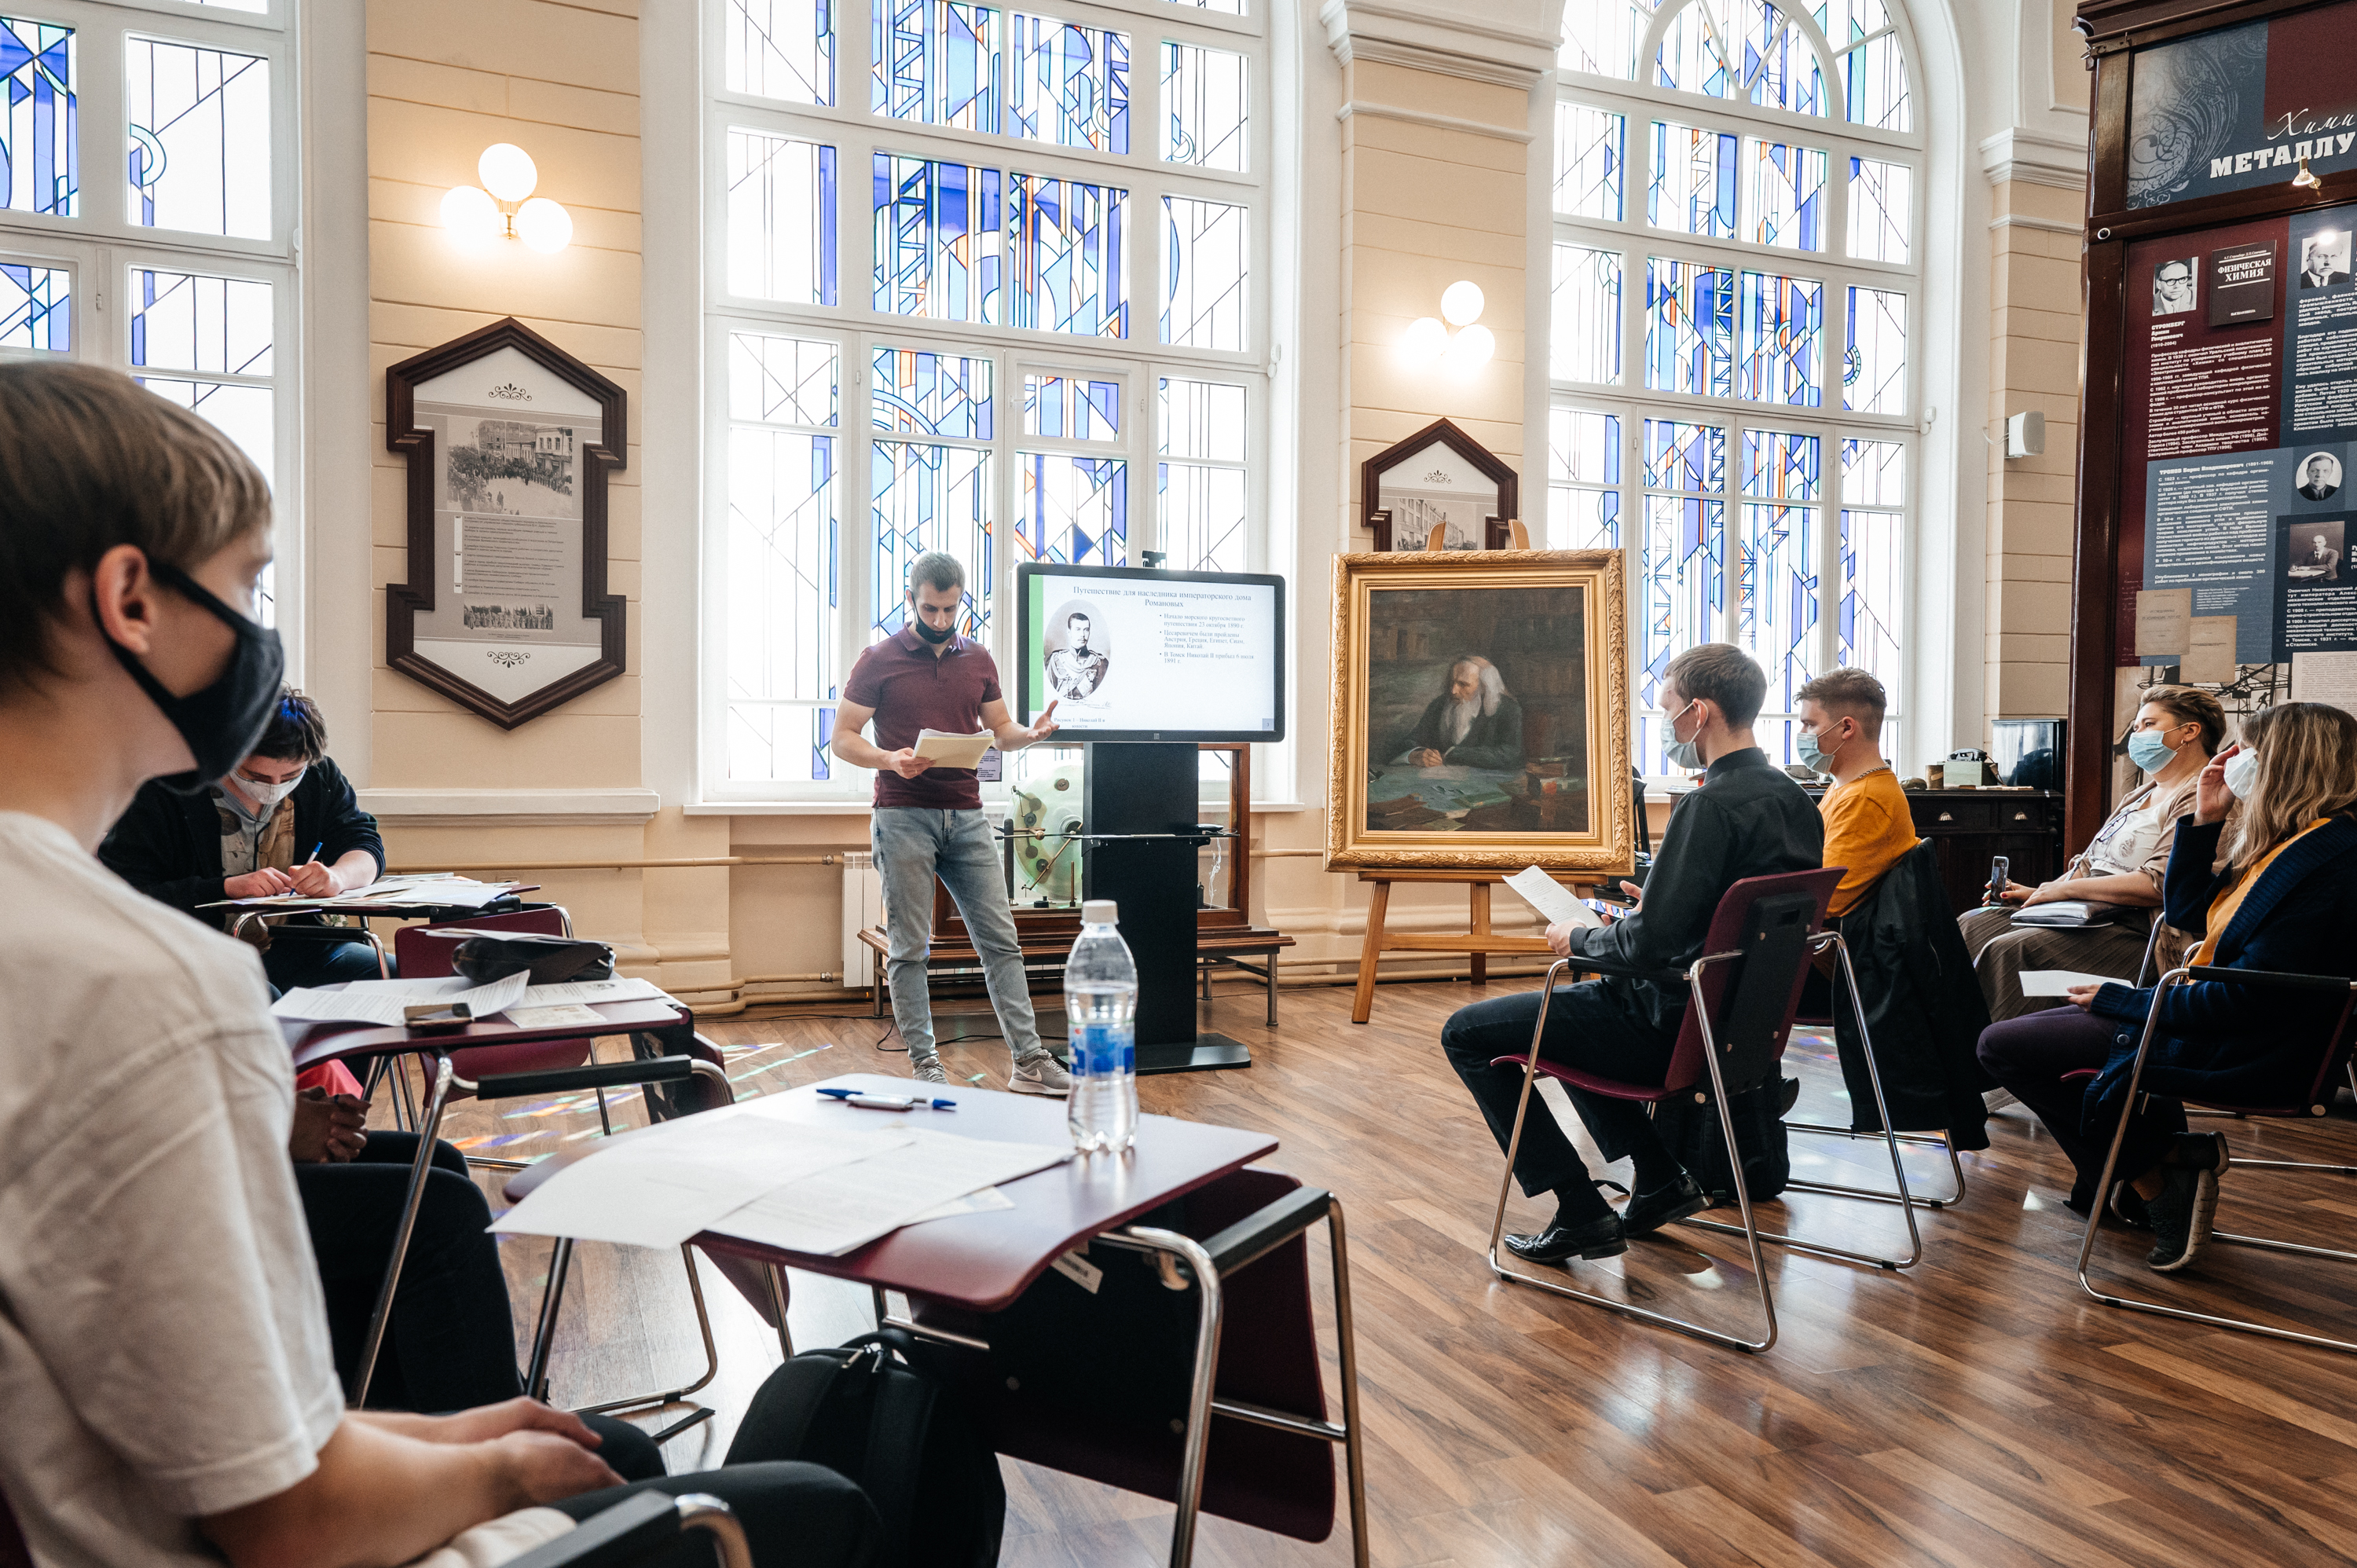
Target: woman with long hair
2283, 898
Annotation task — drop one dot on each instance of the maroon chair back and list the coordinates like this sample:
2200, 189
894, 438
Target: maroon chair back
423, 952
1268, 1355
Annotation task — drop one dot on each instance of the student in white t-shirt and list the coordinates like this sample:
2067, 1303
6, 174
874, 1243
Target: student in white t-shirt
169, 1394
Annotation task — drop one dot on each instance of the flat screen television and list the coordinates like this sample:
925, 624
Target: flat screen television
1133, 655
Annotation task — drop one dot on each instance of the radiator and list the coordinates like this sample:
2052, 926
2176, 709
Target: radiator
863, 907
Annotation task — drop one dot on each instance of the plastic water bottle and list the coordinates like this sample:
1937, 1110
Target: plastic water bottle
1101, 1009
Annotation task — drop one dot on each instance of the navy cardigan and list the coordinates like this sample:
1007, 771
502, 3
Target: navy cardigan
2229, 1043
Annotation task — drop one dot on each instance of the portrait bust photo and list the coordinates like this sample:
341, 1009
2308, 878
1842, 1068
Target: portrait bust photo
2324, 258
2319, 476
2312, 551
2173, 286
1077, 641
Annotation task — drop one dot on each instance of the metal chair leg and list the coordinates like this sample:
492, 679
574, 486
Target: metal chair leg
1199, 1399
1354, 1456
418, 1170
544, 1337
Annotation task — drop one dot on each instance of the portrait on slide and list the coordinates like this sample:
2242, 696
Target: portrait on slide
1480, 712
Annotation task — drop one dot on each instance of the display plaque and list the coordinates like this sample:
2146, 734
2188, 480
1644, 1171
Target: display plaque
509, 441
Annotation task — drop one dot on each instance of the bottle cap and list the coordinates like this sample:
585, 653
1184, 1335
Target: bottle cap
1100, 912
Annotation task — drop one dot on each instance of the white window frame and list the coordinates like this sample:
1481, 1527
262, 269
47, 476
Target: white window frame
1138, 361
102, 246
1635, 240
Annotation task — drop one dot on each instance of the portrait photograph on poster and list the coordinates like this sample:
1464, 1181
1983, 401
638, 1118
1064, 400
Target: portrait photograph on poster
1079, 647
2173, 286
2319, 476
2324, 258
1480, 711
2312, 551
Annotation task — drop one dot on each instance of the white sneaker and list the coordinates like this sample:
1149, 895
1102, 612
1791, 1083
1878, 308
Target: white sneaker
929, 1071
1043, 1074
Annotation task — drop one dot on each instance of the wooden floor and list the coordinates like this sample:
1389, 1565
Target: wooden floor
1975, 1411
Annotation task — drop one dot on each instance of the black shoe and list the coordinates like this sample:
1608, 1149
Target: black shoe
1648, 1211
2129, 1208
2182, 1216
1788, 1097
1592, 1238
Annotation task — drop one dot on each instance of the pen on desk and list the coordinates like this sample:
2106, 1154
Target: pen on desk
861, 1097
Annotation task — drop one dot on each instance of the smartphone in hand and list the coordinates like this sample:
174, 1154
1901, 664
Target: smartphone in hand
2001, 870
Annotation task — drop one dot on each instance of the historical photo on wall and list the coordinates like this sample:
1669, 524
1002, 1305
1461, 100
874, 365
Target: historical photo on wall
1437, 501
514, 468
2324, 258
2173, 286
2319, 476
1078, 644
2312, 551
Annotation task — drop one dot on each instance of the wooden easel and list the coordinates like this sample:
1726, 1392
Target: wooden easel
1478, 942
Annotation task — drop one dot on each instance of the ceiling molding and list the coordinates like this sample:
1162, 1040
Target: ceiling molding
1436, 122
2035, 160
1478, 41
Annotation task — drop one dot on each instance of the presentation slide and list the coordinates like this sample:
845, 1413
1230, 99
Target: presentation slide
1152, 653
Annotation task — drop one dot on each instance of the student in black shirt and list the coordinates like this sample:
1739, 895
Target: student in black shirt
1746, 819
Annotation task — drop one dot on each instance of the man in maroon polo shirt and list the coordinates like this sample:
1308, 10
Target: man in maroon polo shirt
928, 820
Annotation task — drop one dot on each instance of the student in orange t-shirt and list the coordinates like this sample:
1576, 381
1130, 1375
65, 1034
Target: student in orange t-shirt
1868, 824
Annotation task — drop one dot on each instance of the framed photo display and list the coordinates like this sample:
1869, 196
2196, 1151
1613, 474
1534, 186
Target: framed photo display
1438, 489
509, 441
1481, 713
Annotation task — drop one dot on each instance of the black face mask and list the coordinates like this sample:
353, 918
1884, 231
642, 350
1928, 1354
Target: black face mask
221, 722
929, 634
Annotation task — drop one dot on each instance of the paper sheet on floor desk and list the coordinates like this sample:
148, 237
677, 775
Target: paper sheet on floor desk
831, 1213
382, 1000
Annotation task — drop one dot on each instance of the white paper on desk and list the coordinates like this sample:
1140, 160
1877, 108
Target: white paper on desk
948, 750
829, 1214
589, 991
2058, 982
1551, 898
988, 1200
564, 1016
382, 1000
658, 1189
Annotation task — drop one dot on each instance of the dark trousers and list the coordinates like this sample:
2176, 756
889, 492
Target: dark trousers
2028, 1055
1585, 1029
794, 1515
451, 1342
290, 961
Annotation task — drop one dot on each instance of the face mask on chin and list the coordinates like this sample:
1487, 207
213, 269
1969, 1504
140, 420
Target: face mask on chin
929, 634
219, 723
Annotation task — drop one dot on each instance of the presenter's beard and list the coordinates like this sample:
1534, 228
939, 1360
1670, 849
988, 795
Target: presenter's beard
1461, 715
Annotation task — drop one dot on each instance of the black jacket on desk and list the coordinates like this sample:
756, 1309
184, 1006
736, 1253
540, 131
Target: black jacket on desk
168, 845
1746, 819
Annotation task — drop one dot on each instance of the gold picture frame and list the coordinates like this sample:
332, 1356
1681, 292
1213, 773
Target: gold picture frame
1516, 662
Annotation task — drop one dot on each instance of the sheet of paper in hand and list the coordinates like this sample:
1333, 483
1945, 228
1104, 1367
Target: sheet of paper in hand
1551, 898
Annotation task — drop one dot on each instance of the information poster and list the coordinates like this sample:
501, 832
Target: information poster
1150, 653
2241, 107
2240, 422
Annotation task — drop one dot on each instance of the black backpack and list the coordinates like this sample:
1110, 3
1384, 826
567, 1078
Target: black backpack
1688, 1126
863, 1411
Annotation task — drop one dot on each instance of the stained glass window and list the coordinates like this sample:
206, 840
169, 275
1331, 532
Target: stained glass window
183, 321
938, 239
1067, 271
1784, 195
1072, 407
1075, 509
1689, 327
1591, 162
1873, 71
1586, 317
1783, 340
246, 414
198, 121
1692, 188
40, 139
1069, 84
1200, 508
780, 49
1878, 216
926, 496
781, 219
1583, 480
937, 61
1683, 586
783, 554
35, 307
1206, 107
783, 380
917, 391
1206, 262
1874, 380
1873, 593
1776, 607
1740, 49
1599, 37
1202, 419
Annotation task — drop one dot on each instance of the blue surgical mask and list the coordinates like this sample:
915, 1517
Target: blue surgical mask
1812, 756
2243, 774
2149, 751
1681, 753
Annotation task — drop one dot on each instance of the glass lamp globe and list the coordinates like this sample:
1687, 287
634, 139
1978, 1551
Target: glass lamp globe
1461, 303
1471, 349
507, 171
544, 225
470, 211
1425, 339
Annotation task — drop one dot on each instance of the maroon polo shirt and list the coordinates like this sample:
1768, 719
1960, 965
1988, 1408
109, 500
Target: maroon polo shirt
911, 688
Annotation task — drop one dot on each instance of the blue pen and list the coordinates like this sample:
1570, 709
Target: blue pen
316, 849
886, 1102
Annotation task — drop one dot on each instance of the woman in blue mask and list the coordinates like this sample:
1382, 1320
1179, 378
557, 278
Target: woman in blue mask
2176, 732
2272, 888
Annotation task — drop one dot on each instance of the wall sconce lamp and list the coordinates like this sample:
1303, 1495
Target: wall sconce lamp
503, 205
1429, 340
2306, 178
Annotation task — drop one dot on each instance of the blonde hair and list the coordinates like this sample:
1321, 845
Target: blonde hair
2308, 768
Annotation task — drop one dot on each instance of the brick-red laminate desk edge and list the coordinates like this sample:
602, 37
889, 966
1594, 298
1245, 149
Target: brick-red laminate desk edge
316, 1040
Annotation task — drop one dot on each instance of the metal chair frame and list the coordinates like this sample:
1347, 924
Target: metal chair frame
2316, 1107
1749, 1229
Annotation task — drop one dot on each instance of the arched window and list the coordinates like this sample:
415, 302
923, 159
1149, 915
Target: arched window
1737, 249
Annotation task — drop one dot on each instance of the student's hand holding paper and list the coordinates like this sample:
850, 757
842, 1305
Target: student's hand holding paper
267, 883
1558, 936
2082, 997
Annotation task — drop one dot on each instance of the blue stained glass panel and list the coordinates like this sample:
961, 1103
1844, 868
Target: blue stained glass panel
938, 244
1069, 84
1776, 602
783, 241
198, 124
1075, 511
924, 394
246, 414
1880, 195
1583, 479
783, 380
1072, 407
1585, 325
40, 138
35, 307
1206, 261
1067, 262
1591, 162
1683, 583
780, 49
1873, 71
1201, 517
1693, 182
1743, 50
784, 564
1874, 371
1206, 107
183, 321
1780, 465
780, 743
1689, 327
1783, 340
1784, 196
1691, 459
1874, 473
1873, 595
939, 62
929, 496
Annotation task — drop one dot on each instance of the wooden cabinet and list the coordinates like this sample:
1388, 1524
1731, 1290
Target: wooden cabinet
1970, 827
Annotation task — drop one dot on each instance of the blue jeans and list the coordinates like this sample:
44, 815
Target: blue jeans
914, 845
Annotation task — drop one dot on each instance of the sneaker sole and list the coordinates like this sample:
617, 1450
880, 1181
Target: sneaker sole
2197, 1234
1022, 1086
